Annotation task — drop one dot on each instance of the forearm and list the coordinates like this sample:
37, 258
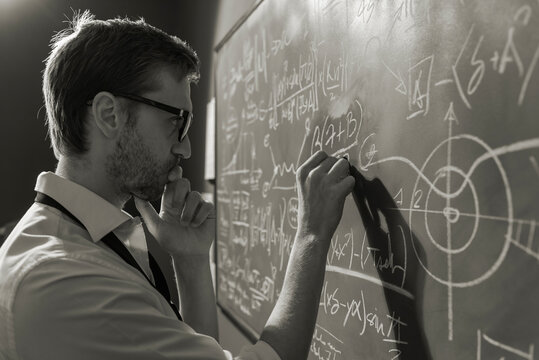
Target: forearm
291, 324
196, 293
323, 184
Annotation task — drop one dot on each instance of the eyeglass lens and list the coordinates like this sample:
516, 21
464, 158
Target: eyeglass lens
186, 124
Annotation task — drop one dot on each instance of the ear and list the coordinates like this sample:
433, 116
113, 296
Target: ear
108, 114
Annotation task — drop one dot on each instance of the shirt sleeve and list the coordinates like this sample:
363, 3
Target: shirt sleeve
259, 351
70, 308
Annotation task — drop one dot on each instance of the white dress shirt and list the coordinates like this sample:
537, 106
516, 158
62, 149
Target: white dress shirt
65, 295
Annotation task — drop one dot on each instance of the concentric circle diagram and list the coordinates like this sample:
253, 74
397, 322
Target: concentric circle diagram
462, 212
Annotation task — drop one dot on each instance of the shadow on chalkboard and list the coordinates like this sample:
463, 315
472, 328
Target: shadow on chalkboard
397, 269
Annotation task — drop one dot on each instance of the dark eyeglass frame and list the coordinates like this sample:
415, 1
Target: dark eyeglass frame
182, 114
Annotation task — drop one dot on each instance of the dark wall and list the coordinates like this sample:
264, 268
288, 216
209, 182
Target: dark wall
26, 27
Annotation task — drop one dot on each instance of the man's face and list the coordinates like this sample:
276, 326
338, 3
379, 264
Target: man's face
148, 147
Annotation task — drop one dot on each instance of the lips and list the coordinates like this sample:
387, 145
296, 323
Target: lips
173, 164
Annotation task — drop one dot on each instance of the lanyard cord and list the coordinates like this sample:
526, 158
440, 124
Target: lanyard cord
112, 241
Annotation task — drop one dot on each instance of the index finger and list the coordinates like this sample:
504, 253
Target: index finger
340, 169
310, 164
175, 194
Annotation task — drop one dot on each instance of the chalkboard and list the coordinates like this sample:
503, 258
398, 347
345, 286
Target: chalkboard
436, 105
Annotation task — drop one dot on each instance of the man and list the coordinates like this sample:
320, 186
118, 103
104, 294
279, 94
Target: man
75, 278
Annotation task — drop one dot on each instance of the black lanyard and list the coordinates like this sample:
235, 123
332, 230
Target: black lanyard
119, 248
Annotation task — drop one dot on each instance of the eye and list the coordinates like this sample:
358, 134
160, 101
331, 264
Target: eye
176, 120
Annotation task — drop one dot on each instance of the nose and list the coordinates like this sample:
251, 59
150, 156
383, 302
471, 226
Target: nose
183, 148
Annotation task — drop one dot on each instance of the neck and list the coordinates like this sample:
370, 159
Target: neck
83, 172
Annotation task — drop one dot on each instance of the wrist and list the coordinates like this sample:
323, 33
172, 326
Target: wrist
312, 240
189, 266
311, 247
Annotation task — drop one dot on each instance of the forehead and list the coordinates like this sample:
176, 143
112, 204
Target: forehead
171, 90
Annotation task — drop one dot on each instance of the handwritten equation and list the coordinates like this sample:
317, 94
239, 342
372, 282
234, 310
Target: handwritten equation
437, 101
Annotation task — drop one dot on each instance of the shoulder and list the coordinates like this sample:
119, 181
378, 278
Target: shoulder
47, 252
72, 305
42, 235
62, 293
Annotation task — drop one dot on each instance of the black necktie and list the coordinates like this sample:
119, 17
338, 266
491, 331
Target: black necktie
119, 248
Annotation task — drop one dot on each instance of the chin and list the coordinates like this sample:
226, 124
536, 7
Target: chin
150, 193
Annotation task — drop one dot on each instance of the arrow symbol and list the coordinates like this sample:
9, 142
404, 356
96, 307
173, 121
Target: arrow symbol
401, 87
450, 114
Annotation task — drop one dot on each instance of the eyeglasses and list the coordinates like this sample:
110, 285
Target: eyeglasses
185, 116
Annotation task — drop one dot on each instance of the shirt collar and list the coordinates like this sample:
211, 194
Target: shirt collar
97, 215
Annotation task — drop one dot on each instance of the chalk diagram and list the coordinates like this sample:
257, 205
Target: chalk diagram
445, 196
437, 205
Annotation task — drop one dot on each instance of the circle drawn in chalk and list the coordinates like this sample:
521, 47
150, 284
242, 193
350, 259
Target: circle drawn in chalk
452, 215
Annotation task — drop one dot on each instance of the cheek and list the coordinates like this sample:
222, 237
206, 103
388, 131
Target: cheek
159, 139
135, 154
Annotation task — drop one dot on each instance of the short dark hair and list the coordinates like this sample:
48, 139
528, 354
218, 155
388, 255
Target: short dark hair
116, 55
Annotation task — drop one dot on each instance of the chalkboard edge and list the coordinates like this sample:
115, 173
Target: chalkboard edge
238, 323
237, 25
241, 325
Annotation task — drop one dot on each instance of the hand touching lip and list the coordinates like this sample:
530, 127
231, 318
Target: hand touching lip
185, 224
175, 173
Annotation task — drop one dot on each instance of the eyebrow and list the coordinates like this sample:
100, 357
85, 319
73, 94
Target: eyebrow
157, 104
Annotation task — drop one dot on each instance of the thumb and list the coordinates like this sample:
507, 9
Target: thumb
148, 213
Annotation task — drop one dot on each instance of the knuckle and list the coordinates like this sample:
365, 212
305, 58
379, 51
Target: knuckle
203, 208
314, 175
188, 198
184, 181
195, 195
319, 153
323, 153
342, 162
318, 173
187, 213
193, 199
320, 156
328, 162
184, 184
301, 173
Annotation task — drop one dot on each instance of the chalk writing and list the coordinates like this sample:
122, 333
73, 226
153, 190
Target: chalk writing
434, 103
